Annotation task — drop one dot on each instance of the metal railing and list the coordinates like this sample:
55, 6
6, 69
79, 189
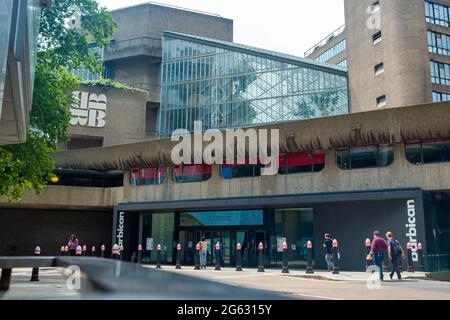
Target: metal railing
325, 40
144, 41
108, 278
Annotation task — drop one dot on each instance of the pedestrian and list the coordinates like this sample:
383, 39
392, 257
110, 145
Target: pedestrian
395, 253
203, 251
73, 244
328, 245
378, 251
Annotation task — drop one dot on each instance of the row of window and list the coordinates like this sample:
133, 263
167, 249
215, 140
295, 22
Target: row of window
438, 43
373, 156
88, 178
334, 51
440, 96
440, 73
437, 14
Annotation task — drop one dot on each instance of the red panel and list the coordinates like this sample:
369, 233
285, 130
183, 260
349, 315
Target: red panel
302, 159
192, 170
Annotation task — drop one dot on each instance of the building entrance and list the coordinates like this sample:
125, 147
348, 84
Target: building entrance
227, 239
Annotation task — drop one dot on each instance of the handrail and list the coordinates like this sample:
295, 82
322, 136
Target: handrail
325, 40
116, 278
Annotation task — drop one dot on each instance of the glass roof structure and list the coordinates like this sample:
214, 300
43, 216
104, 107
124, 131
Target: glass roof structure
227, 85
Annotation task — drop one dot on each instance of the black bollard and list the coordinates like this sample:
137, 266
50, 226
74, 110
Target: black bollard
197, 257
178, 263
285, 267
217, 268
120, 252
79, 251
139, 256
115, 252
335, 257
158, 256
93, 251
35, 271
410, 267
261, 257
421, 266
66, 250
62, 252
84, 250
368, 246
238, 257
102, 251
309, 266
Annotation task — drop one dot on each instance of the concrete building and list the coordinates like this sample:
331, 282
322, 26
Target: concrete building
396, 52
19, 27
135, 53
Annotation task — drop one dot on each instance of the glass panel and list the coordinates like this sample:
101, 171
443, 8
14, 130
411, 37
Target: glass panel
5, 28
162, 233
257, 90
365, 157
191, 173
222, 218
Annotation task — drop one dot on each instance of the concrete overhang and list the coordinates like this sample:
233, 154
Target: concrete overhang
389, 126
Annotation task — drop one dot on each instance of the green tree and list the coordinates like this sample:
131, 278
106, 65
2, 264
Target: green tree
61, 47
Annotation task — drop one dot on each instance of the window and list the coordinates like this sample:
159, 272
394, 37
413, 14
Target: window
376, 37
302, 162
332, 52
88, 178
235, 171
438, 43
192, 173
379, 69
381, 101
343, 63
440, 96
437, 14
148, 176
440, 73
428, 151
375, 156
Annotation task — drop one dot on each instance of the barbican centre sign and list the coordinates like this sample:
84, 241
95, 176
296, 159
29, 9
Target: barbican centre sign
88, 110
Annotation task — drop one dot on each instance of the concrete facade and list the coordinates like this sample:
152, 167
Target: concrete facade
403, 50
124, 120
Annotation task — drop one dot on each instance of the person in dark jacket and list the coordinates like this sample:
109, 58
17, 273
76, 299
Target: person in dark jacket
73, 244
395, 253
378, 251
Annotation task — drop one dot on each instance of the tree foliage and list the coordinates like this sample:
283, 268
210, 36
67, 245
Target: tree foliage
61, 48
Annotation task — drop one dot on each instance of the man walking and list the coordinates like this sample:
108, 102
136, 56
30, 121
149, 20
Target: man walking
377, 251
395, 253
328, 245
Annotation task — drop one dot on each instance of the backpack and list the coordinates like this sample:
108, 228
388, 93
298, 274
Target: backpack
396, 247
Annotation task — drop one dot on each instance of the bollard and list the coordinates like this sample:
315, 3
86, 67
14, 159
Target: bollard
217, 256
368, 246
139, 256
62, 252
115, 252
197, 257
158, 256
102, 251
261, 257
335, 257
78, 251
238, 257
120, 252
285, 267
410, 267
35, 271
93, 251
84, 250
420, 253
309, 266
178, 263
66, 250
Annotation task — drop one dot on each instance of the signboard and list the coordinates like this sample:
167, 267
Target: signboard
88, 110
280, 241
149, 244
222, 218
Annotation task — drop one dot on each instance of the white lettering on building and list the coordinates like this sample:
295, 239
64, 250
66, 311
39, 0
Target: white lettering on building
411, 235
120, 228
89, 109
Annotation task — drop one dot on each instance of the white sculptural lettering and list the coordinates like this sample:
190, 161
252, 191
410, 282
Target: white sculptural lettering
89, 110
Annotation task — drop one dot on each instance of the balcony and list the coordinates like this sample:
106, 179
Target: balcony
324, 41
139, 46
153, 90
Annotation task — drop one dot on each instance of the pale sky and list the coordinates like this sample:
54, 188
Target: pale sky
287, 26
